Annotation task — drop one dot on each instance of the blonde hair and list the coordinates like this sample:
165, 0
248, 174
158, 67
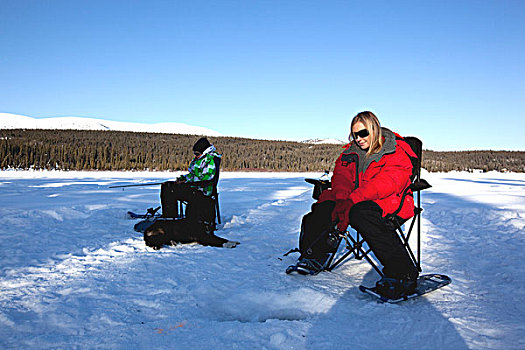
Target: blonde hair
373, 126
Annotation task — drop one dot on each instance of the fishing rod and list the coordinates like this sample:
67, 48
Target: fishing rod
137, 185
190, 183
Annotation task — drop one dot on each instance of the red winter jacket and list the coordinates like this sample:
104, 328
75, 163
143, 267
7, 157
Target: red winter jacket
382, 177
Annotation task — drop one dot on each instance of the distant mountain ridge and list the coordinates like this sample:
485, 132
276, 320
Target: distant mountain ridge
16, 121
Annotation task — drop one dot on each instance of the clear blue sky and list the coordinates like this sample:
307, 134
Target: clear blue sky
450, 72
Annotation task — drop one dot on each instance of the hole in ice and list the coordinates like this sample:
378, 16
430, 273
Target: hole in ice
262, 306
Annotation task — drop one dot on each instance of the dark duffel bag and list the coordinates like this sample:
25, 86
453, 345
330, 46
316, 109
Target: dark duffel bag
170, 232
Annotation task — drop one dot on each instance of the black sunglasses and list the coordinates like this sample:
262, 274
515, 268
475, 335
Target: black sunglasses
361, 133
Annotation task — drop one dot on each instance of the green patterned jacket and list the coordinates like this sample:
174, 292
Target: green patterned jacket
202, 169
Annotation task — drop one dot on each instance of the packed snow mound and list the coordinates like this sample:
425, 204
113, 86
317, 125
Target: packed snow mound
15, 121
325, 141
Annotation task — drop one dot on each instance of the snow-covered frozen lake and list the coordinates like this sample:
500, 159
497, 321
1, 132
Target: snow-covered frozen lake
74, 274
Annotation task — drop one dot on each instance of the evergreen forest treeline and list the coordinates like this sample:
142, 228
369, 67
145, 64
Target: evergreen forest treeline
120, 150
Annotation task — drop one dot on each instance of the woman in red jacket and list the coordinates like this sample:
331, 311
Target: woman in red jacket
381, 159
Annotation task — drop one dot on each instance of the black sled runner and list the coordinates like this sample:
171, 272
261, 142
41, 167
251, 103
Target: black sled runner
425, 284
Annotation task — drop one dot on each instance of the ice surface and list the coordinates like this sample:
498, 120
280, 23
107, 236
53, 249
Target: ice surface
74, 274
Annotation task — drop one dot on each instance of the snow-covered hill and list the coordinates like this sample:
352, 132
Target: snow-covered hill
15, 121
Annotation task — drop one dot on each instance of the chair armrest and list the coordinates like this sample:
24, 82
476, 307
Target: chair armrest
203, 183
324, 183
420, 185
319, 186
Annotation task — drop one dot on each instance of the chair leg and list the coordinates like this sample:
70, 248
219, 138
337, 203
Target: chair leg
419, 231
405, 240
218, 209
364, 254
345, 255
181, 213
354, 247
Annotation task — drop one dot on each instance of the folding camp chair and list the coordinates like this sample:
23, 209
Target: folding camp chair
356, 246
214, 195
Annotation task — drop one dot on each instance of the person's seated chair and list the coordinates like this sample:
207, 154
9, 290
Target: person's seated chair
356, 246
214, 196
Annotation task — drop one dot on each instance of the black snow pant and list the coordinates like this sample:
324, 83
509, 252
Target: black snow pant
199, 208
381, 236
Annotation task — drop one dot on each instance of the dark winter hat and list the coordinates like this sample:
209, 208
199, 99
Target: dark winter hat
201, 145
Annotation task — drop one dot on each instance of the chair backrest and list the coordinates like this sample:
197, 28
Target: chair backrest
417, 146
215, 184
217, 174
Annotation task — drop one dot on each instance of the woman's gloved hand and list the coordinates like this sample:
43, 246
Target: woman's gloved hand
341, 213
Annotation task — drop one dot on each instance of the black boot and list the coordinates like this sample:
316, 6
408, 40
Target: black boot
395, 288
